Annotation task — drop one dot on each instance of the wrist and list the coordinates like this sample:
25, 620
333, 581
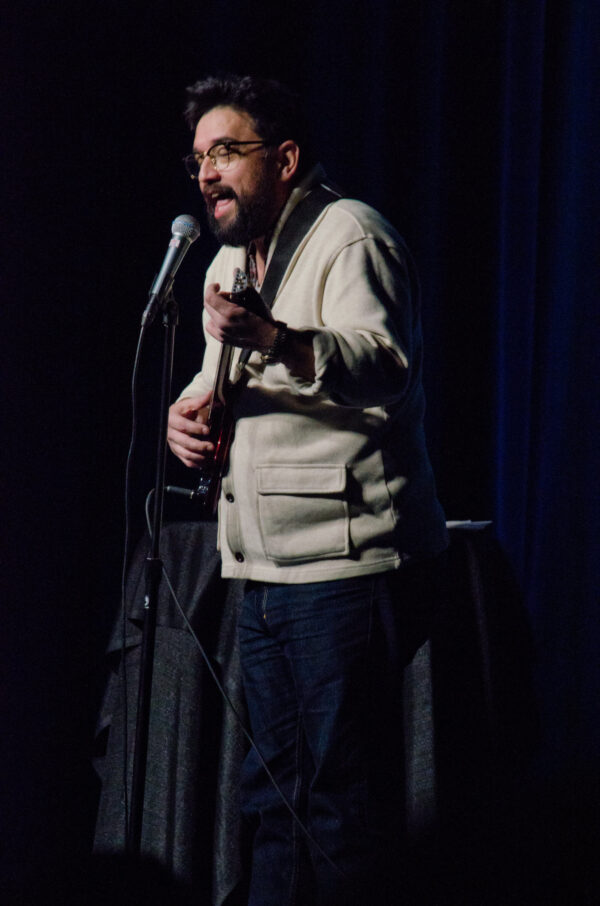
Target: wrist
279, 345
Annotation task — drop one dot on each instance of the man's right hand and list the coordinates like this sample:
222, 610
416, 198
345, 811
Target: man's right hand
187, 433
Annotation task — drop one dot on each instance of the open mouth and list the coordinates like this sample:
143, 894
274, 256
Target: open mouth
222, 206
218, 203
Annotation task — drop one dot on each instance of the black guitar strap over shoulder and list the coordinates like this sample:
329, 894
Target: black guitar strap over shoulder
294, 230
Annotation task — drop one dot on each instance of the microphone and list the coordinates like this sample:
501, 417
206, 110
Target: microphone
185, 229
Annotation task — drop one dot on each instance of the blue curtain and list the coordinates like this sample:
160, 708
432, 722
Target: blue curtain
545, 369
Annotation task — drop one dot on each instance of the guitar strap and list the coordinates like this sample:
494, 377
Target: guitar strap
294, 230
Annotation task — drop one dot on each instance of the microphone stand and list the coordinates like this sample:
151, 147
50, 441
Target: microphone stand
154, 567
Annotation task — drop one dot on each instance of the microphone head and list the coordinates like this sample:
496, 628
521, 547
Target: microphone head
186, 227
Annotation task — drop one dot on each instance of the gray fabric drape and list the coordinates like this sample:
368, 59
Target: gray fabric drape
191, 814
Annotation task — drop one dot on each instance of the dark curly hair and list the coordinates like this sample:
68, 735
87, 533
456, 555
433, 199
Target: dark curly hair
275, 110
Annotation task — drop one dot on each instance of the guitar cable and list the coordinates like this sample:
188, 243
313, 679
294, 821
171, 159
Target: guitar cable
238, 717
124, 625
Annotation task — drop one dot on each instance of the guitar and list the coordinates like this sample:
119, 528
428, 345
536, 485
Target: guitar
219, 416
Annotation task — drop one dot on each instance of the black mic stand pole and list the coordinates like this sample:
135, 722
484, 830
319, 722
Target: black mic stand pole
154, 566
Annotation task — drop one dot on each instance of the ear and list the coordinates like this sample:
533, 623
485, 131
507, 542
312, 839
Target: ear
288, 156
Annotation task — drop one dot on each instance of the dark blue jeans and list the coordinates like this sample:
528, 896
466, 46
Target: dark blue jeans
322, 666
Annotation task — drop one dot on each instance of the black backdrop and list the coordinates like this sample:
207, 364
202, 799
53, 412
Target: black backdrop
474, 127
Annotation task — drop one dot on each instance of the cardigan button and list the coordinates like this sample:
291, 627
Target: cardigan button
229, 498
239, 557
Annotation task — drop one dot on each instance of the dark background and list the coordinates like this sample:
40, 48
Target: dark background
475, 128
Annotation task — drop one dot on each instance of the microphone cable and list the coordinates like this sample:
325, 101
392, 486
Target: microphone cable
185, 229
125, 567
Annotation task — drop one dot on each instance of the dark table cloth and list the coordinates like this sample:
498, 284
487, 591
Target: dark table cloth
469, 718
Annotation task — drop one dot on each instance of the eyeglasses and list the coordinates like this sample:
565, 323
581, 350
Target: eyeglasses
222, 156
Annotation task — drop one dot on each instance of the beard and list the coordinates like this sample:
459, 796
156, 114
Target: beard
253, 217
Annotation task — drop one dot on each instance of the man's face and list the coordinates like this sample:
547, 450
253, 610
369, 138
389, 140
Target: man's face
243, 201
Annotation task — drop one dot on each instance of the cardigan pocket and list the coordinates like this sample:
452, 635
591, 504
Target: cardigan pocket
302, 511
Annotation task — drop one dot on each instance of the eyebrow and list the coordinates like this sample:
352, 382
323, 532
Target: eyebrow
218, 141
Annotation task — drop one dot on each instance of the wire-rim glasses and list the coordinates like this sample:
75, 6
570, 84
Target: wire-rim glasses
222, 155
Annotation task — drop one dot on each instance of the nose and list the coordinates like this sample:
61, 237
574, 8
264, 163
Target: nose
207, 171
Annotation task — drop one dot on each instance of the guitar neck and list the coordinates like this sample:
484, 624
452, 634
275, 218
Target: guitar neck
221, 381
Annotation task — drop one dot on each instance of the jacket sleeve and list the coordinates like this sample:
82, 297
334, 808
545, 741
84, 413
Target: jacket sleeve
369, 344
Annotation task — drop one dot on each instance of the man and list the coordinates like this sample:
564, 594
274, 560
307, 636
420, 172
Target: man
328, 501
